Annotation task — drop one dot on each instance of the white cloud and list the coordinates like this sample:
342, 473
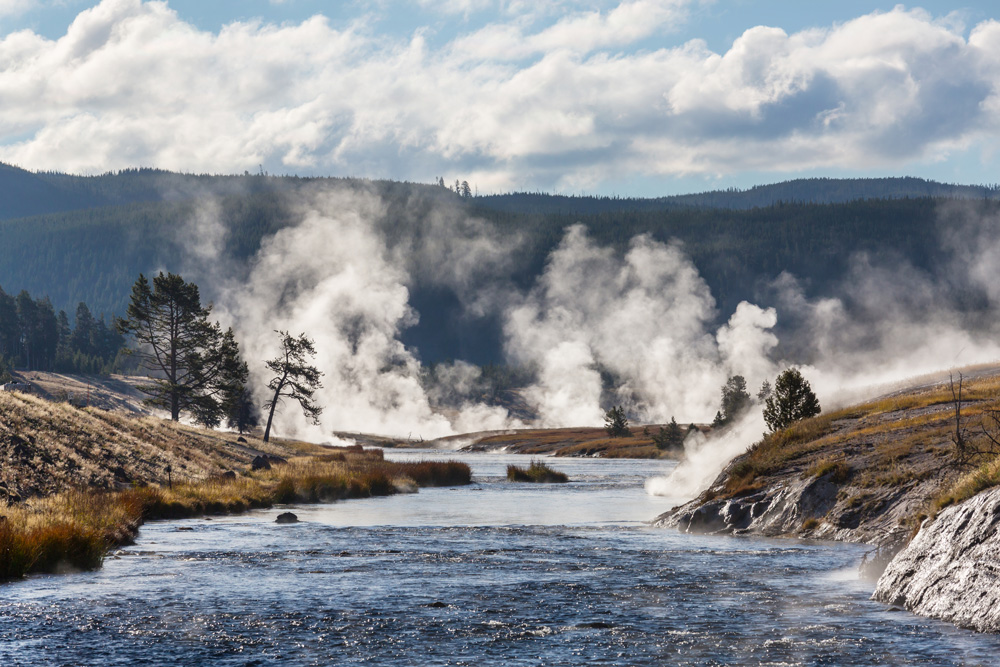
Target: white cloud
523, 102
16, 7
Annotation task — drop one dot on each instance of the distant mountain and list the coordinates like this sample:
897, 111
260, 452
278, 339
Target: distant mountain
24, 193
799, 191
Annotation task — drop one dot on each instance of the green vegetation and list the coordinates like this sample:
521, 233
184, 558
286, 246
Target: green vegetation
616, 423
876, 450
196, 366
792, 400
670, 437
34, 337
121, 228
293, 378
74, 530
537, 472
735, 401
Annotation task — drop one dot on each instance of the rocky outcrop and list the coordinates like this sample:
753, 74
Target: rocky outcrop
802, 505
777, 510
951, 569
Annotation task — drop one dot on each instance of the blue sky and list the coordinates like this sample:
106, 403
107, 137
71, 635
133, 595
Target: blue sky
631, 97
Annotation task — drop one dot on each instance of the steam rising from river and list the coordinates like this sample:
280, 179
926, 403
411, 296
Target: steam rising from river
600, 327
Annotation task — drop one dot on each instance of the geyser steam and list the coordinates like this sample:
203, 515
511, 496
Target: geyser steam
637, 328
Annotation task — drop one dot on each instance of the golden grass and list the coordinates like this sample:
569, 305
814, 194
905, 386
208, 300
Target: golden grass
581, 441
74, 530
536, 472
895, 427
984, 477
838, 472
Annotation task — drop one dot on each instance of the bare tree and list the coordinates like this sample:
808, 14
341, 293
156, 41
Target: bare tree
294, 378
958, 438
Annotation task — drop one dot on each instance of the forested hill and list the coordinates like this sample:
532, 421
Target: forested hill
94, 253
799, 191
24, 193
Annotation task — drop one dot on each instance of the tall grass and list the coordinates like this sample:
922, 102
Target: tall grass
535, 472
74, 530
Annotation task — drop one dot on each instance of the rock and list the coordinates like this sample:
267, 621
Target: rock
260, 463
287, 517
951, 569
275, 460
229, 474
241, 439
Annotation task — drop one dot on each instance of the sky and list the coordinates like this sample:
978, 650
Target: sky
631, 98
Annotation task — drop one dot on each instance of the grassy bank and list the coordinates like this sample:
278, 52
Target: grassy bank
74, 530
893, 441
536, 472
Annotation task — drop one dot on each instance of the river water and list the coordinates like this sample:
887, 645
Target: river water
493, 573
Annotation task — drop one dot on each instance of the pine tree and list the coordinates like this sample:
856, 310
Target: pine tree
293, 378
616, 423
174, 338
735, 401
792, 399
671, 437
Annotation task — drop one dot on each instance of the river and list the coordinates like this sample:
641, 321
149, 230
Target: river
492, 573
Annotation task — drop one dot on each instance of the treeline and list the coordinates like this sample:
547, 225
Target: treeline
798, 191
93, 255
33, 336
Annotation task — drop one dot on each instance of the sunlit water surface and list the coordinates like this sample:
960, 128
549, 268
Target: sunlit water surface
494, 573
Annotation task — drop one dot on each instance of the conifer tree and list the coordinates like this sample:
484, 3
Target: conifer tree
792, 399
197, 362
294, 378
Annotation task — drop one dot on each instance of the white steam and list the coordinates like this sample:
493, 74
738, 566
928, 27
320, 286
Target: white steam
646, 320
333, 278
600, 327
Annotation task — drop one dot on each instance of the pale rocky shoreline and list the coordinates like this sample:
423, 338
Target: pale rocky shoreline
950, 570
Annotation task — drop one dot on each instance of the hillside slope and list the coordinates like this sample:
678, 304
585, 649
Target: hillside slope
868, 473
49, 447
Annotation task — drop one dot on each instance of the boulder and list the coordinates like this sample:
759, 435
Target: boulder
287, 517
949, 570
260, 463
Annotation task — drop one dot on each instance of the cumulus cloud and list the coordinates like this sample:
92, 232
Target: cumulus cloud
15, 7
560, 102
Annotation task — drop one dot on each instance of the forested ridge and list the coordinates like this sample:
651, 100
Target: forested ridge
93, 254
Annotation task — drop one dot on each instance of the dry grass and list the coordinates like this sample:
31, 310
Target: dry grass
837, 472
48, 447
984, 477
902, 439
537, 472
73, 531
575, 442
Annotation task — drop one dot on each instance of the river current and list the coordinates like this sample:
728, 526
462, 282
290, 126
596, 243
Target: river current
492, 573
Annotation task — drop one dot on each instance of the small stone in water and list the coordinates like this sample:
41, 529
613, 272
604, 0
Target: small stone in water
287, 517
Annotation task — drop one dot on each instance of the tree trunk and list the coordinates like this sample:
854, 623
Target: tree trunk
270, 414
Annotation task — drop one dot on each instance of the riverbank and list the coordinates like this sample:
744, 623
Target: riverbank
75, 530
878, 473
576, 442
868, 473
122, 470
